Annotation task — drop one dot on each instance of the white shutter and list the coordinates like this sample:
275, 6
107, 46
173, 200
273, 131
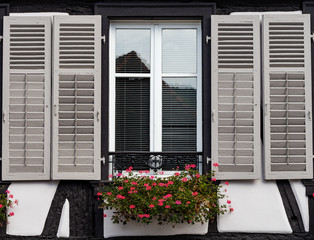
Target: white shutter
26, 98
76, 97
236, 96
287, 97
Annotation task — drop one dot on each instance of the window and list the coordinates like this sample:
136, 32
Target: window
155, 88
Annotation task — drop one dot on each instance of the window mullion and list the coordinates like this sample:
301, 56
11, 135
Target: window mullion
157, 92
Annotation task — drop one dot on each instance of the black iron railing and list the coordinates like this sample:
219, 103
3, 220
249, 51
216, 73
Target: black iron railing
154, 160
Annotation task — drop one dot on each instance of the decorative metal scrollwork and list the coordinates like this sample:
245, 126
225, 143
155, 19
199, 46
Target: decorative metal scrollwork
154, 161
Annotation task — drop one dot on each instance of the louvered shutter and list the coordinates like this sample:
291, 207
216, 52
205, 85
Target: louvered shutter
236, 96
287, 96
26, 98
76, 97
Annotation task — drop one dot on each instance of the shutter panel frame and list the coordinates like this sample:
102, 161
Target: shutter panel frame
22, 65
83, 64
251, 67
291, 67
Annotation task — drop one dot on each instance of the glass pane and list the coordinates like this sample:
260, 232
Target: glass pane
132, 50
179, 50
179, 114
132, 114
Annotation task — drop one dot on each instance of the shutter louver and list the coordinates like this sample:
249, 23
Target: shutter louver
287, 96
236, 96
26, 98
76, 85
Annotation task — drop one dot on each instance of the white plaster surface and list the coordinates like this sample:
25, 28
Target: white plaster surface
299, 192
258, 208
138, 229
34, 203
64, 224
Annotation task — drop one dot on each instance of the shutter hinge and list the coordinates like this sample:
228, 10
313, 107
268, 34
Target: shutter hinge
104, 39
208, 160
208, 38
312, 37
103, 160
1, 37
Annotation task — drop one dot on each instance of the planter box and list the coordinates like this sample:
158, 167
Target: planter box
139, 229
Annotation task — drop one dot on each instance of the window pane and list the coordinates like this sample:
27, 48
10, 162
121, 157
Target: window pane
179, 50
132, 114
179, 114
133, 50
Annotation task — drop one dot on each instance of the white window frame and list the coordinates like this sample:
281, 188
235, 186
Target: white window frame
155, 76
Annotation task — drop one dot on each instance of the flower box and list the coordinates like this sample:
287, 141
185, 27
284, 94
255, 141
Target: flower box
134, 228
137, 205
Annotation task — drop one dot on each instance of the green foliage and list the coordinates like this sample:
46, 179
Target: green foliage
184, 197
6, 202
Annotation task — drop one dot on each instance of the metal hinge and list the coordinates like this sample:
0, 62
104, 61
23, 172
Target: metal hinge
208, 160
1, 37
103, 39
208, 38
103, 160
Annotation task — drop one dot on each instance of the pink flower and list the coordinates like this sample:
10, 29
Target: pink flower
120, 188
126, 181
154, 198
197, 175
135, 191
225, 190
141, 215
146, 215
188, 202
132, 188
177, 174
187, 167
104, 215
128, 170
98, 199
132, 206
160, 184
214, 179
119, 174
140, 172
146, 171
120, 196
148, 188
109, 193
193, 166
228, 201
184, 179
160, 203
152, 205
7, 191
145, 185
129, 192
214, 205
99, 194
130, 167
215, 164
161, 173
11, 214
167, 196
161, 200
194, 193
1, 206
151, 177
134, 183
167, 206
110, 176
189, 221
231, 209
227, 183
10, 196
178, 202
154, 184
170, 183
